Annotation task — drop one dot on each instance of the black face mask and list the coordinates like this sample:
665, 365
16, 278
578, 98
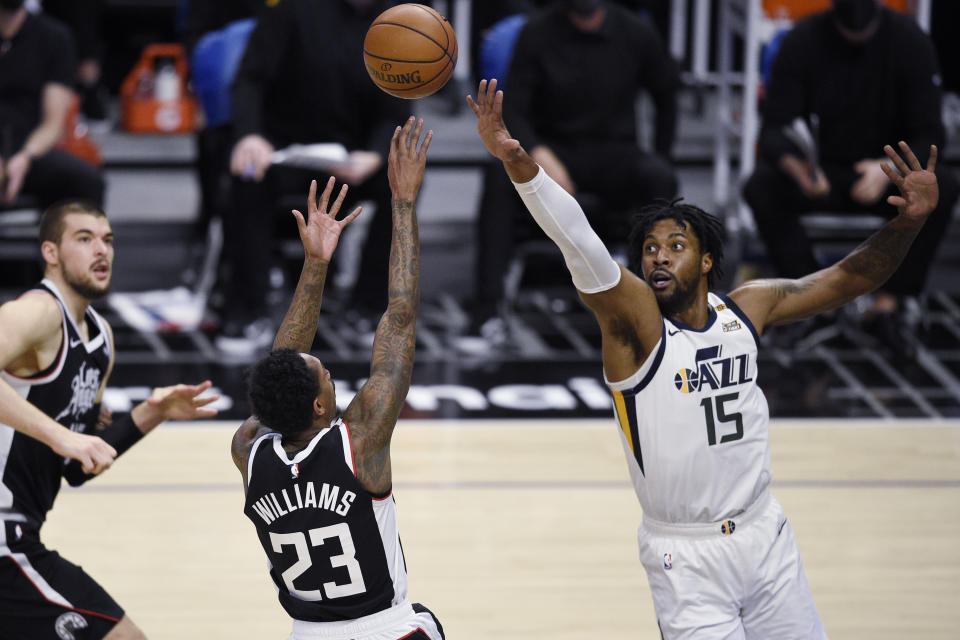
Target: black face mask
582, 7
855, 15
11, 5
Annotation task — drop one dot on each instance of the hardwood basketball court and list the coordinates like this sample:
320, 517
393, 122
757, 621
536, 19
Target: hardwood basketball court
527, 529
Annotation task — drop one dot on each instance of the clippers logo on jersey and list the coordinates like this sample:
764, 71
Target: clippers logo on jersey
67, 623
84, 386
711, 371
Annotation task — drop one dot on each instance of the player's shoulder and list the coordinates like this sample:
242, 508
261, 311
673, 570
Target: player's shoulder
756, 298
34, 320
247, 433
37, 306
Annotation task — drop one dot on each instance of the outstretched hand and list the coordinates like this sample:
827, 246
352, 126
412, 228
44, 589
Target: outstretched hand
320, 231
488, 108
407, 162
919, 192
183, 401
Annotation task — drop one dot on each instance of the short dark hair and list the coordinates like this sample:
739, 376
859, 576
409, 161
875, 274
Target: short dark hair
709, 229
282, 389
51, 222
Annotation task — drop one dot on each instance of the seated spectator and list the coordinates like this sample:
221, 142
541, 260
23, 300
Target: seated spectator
36, 90
869, 75
574, 77
301, 81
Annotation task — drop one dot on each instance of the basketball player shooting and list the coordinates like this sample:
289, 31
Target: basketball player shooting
681, 363
318, 487
56, 354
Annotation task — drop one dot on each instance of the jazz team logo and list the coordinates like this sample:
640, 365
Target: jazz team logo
712, 371
687, 380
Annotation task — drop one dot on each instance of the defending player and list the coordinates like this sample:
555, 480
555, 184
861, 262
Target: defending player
56, 354
681, 364
318, 488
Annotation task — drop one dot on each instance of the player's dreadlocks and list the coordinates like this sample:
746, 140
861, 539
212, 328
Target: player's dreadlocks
707, 227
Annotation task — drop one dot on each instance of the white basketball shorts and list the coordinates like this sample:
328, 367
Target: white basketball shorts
737, 579
400, 621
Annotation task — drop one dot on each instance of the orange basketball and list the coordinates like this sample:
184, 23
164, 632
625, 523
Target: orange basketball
410, 51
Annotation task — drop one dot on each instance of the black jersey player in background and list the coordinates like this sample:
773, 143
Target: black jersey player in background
319, 488
56, 354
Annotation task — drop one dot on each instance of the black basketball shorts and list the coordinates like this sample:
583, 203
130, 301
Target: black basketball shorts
46, 597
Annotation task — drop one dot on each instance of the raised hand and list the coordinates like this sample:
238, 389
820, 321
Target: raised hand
320, 231
407, 162
488, 108
182, 401
919, 191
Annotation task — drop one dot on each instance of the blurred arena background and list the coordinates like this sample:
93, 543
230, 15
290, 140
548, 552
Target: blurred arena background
518, 517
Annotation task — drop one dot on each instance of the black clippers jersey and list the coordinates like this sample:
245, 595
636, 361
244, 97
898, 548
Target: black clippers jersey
334, 548
30, 471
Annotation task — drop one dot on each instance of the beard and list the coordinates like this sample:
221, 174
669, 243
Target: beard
85, 287
683, 296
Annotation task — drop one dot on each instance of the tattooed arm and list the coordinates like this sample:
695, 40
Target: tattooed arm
770, 302
319, 232
373, 413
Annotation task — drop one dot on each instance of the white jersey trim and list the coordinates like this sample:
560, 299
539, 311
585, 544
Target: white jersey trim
299, 455
385, 511
740, 314
30, 572
347, 447
101, 338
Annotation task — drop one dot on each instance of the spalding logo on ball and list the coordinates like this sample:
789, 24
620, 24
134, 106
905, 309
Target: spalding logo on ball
410, 51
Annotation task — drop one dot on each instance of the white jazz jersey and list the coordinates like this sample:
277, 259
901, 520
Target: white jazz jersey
694, 423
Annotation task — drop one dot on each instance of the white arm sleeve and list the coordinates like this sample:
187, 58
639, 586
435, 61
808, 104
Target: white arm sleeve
561, 218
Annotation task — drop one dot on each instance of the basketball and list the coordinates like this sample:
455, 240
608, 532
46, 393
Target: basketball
410, 51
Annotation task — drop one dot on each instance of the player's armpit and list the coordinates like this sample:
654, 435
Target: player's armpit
630, 323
